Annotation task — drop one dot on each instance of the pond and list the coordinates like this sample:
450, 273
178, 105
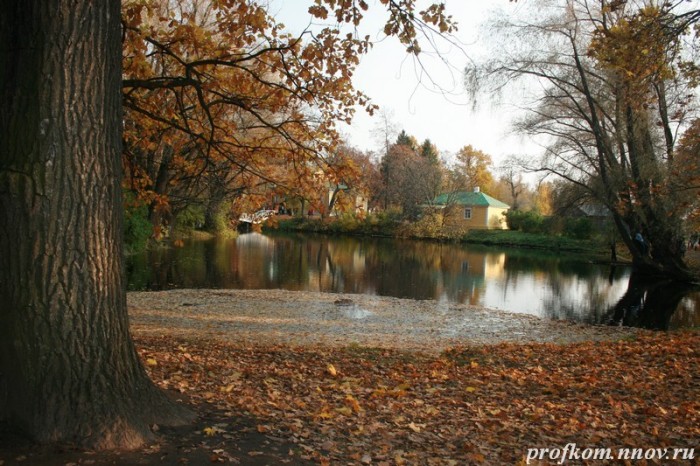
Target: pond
545, 284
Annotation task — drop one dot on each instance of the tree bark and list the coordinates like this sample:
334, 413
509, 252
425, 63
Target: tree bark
69, 371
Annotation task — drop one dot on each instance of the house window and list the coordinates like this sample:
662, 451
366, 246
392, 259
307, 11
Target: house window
468, 213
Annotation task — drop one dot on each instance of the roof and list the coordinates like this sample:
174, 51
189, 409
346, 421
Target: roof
595, 210
469, 198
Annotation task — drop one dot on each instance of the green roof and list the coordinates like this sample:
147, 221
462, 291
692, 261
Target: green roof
469, 198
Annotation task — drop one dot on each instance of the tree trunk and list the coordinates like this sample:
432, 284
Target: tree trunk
331, 203
215, 201
667, 249
211, 212
69, 371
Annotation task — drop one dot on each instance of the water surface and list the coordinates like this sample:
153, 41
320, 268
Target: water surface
544, 284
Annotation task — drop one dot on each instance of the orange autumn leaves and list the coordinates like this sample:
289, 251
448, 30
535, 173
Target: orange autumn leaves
468, 405
218, 96
213, 99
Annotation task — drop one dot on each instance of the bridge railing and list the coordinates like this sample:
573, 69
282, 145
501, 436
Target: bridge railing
258, 217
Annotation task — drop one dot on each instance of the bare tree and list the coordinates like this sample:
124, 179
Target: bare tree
611, 103
386, 130
511, 176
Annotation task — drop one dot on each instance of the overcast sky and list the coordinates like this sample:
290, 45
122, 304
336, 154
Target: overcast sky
392, 81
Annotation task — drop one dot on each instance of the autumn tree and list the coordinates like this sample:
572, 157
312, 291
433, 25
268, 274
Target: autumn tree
396, 177
69, 371
218, 95
347, 175
543, 197
409, 179
615, 94
685, 176
472, 169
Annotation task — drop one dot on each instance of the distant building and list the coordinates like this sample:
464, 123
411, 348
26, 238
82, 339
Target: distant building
599, 215
471, 210
341, 198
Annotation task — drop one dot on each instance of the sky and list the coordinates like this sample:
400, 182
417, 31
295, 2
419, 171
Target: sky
391, 79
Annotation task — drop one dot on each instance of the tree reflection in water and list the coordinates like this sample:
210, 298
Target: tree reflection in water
652, 304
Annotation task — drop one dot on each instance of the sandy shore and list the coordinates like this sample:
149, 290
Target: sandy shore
309, 318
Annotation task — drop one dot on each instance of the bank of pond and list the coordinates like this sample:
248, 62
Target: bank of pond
549, 284
594, 245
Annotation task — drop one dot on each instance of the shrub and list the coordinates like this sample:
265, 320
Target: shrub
344, 223
189, 218
220, 219
428, 226
579, 228
137, 227
384, 224
525, 221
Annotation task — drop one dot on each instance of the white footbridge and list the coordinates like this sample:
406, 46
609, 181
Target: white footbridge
258, 217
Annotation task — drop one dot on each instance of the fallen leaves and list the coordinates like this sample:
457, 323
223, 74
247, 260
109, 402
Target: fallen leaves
414, 427
211, 431
352, 403
332, 370
470, 405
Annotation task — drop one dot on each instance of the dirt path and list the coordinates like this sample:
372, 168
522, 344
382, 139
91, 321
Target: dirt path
308, 318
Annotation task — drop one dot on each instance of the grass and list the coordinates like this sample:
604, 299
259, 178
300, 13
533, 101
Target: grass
345, 225
388, 227
533, 240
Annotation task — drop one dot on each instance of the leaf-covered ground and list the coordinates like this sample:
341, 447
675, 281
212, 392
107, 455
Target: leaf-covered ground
468, 405
484, 404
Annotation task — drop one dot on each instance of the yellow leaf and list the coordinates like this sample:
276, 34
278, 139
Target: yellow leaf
211, 431
352, 402
331, 370
474, 364
227, 389
151, 362
344, 410
471, 389
414, 427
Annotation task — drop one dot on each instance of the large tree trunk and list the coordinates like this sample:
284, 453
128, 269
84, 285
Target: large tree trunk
663, 253
653, 213
68, 368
